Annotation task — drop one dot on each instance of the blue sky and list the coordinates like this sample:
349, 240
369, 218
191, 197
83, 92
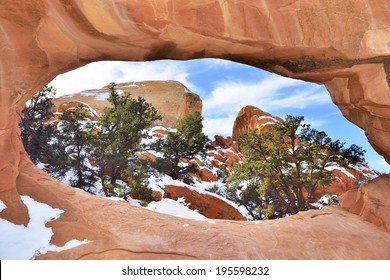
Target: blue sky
225, 87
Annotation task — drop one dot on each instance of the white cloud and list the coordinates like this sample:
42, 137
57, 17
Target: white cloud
98, 74
316, 123
383, 163
218, 126
270, 93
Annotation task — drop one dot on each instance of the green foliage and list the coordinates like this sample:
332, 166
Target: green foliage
285, 166
218, 189
184, 142
117, 136
36, 130
136, 176
223, 173
104, 150
247, 197
75, 136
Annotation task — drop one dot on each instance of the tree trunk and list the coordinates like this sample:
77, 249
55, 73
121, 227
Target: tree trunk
105, 190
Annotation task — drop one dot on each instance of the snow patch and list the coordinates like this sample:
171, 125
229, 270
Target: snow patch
89, 93
267, 123
21, 242
267, 117
102, 96
2, 206
174, 208
113, 198
342, 169
68, 245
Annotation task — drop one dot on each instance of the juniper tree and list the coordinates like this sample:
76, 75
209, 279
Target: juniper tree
116, 139
286, 165
184, 141
36, 128
75, 136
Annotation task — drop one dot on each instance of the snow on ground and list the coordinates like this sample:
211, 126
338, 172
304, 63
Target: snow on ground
342, 169
21, 242
371, 174
89, 92
68, 245
2, 206
158, 184
174, 208
102, 96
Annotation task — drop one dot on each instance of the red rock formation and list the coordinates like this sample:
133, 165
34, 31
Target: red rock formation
346, 179
371, 202
251, 118
171, 99
342, 44
224, 142
226, 153
206, 204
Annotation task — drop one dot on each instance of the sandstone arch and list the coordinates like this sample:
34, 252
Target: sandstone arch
343, 44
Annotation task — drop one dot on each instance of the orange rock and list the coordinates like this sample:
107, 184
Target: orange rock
220, 158
371, 202
171, 99
235, 147
157, 195
147, 156
224, 142
251, 118
160, 133
345, 182
207, 176
207, 205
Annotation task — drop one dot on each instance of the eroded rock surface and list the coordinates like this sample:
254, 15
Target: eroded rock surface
371, 202
171, 99
250, 118
343, 44
117, 230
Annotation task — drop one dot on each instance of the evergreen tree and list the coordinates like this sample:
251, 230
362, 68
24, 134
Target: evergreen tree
75, 135
184, 142
116, 140
286, 165
35, 125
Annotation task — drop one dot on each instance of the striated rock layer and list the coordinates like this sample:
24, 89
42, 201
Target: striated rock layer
342, 44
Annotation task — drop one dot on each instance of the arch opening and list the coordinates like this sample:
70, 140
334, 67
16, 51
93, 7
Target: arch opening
224, 87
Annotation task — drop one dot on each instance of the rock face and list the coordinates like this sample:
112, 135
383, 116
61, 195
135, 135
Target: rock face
171, 99
342, 44
206, 204
371, 202
251, 118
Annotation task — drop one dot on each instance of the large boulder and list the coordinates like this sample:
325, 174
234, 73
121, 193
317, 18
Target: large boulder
172, 99
207, 204
250, 118
371, 202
